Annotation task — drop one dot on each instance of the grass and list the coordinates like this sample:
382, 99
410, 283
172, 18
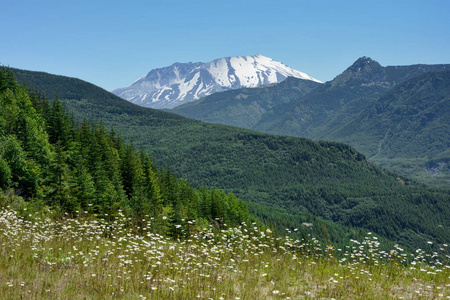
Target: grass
87, 258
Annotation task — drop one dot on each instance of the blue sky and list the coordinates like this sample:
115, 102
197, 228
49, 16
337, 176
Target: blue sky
112, 43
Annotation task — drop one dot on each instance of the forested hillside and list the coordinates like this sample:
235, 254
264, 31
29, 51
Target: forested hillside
335, 103
287, 109
298, 179
410, 125
49, 160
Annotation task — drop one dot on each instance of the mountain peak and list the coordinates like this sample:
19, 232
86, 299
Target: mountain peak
365, 59
184, 82
364, 63
364, 71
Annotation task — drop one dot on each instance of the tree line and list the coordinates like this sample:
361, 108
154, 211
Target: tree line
49, 159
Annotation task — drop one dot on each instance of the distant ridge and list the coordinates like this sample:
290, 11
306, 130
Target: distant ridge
184, 82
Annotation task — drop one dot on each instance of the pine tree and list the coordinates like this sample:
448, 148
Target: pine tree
5, 174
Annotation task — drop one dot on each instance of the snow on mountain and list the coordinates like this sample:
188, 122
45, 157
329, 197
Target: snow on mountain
184, 82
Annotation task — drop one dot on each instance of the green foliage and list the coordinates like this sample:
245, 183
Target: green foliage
302, 178
5, 174
7, 79
49, 159
25, 173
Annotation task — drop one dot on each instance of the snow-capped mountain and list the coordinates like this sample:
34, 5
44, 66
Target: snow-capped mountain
184, 82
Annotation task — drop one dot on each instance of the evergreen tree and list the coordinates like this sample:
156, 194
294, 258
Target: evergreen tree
47, 158
5, 174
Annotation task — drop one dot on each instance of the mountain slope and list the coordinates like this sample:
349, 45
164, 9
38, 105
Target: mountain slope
411, 122
245, 107
282, 109
184, 82
336, 102
303, 178
286, 108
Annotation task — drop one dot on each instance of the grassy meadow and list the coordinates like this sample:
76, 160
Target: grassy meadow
91, 258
